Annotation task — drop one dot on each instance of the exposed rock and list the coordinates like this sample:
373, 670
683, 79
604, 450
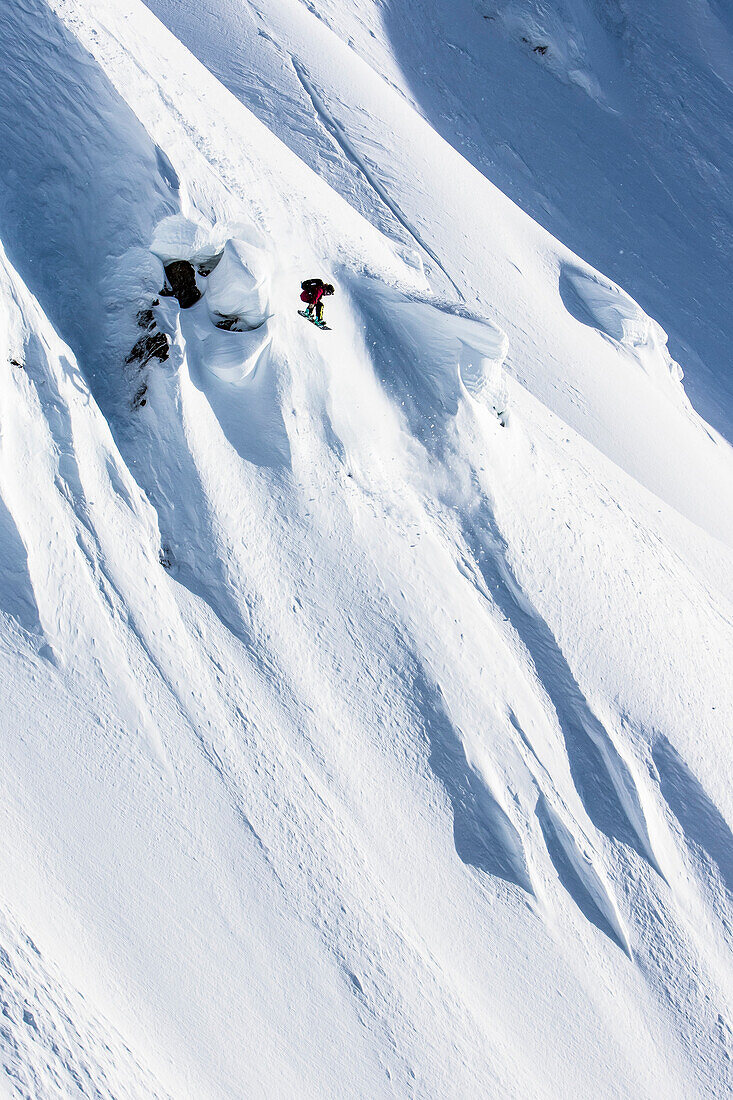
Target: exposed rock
154, 345
541, 49
228, 323
232, 323
207, 266
140, 397
146, 317
181, 283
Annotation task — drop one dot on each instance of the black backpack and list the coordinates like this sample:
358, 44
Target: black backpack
311, 284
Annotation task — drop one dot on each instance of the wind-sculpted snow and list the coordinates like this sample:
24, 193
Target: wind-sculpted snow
52, 1044
597, 302
237, 289
366, 692
233, 357
483, 832
576, 871
702, 823
17, 599
456, 347
578, 47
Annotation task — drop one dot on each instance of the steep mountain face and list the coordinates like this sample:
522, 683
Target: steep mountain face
366, 692
608, 122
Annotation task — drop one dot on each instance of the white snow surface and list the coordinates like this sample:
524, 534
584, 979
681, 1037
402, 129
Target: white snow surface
366, 693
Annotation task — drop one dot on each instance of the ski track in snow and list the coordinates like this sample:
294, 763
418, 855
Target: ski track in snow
360, 741
337, 133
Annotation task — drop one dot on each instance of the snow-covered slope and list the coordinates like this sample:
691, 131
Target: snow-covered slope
366, 693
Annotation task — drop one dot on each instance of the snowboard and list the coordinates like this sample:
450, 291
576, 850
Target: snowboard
313, 321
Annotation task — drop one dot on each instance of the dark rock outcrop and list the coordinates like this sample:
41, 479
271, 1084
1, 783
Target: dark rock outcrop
229, 323
181, 283
153, 345
146, 317
207, 266
140, 397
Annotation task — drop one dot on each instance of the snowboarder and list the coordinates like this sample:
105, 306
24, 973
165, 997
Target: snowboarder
313, 292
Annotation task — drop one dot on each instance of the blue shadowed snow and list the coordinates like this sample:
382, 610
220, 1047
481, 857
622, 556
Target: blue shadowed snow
64, 234
700, 819
16, 590
636, 177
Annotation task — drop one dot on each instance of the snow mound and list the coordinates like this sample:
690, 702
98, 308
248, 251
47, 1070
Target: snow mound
597, 301
183, 238
232, 355
239, 286
194, 238
226, 331
457, 352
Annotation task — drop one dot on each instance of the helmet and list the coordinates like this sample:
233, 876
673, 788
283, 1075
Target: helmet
328, 289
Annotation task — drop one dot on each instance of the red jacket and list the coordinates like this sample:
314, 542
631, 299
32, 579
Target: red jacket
312, 296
